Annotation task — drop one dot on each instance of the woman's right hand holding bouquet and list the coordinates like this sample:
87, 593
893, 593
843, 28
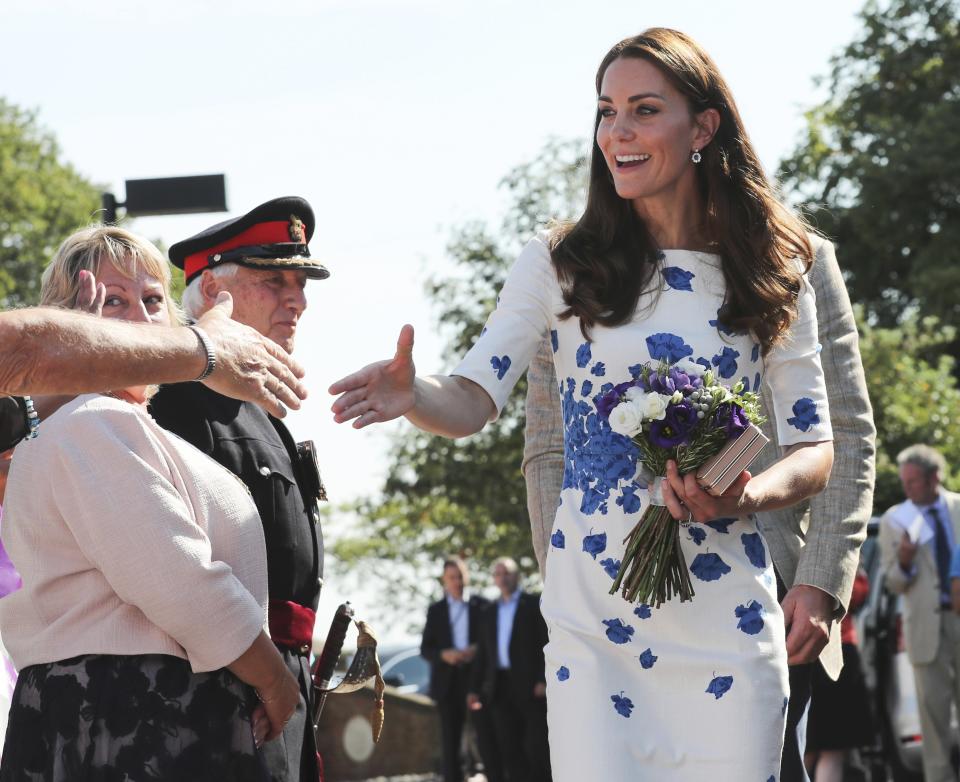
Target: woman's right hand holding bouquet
687, 501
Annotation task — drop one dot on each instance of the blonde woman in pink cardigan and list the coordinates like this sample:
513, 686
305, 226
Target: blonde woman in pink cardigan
139, 628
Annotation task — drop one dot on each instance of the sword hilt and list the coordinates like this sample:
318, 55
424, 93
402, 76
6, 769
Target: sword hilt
332, 646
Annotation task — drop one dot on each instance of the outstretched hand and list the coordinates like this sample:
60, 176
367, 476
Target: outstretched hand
250, 366
379, 392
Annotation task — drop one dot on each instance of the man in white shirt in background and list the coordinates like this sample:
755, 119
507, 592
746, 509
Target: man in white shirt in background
917, 539
509, 676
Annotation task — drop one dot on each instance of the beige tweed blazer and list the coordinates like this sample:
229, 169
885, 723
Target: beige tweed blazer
816, 542
920, 589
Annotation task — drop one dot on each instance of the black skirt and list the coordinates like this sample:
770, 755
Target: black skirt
112, 718
840, 715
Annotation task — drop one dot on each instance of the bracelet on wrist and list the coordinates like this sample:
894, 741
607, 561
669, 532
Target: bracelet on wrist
32, 419
265, 700
207, 346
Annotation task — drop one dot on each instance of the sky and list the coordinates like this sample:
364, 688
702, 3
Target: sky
395, 119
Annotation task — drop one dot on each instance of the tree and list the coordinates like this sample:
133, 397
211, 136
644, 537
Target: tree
42, 200
465, 496
879, 166
914, 394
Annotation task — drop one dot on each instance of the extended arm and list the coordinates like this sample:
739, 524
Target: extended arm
50, 351
463, 403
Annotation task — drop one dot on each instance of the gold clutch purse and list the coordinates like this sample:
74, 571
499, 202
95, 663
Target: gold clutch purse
719, 471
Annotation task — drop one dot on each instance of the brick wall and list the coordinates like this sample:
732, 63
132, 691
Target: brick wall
409, 744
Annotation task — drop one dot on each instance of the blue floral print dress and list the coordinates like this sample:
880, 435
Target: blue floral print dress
690, 691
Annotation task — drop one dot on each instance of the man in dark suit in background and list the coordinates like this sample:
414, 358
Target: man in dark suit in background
509, 677
449, 644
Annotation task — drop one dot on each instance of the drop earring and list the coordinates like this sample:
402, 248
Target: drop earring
696, 157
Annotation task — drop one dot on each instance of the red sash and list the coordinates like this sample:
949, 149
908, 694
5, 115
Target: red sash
291, 625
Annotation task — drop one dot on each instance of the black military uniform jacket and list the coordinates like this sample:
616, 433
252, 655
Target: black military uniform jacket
259, 450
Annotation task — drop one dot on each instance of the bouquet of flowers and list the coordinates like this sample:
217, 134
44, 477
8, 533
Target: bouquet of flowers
680, 412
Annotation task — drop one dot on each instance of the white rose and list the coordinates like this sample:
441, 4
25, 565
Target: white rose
625, 419
639, 405
634, 393
690, 367
655, 407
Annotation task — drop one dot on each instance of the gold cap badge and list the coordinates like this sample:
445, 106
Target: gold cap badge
296, 230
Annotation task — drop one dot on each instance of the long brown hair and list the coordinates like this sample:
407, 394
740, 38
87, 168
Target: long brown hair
608, 258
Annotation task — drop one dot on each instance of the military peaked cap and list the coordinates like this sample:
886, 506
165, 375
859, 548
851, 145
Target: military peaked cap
272, 236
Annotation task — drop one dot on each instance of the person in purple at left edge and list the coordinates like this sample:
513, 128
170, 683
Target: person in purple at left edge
9, 582
9, 577
696, 689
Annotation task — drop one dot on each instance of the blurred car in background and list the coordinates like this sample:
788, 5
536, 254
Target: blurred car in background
404, 669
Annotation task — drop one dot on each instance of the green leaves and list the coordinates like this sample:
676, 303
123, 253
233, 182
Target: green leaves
42, 200
879, 168
879, 172
914, 395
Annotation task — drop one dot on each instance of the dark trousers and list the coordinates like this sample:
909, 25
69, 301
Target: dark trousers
452, 710
292, 756
794, 742
795, 738
520, 721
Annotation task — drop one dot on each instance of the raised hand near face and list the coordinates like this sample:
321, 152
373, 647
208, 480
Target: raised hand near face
91, 295
379, 392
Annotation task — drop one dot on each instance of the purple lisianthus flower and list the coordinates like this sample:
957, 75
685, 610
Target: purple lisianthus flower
684, 382
606, 402
732, 419
675, 380
675, 428
662, 384
612, 398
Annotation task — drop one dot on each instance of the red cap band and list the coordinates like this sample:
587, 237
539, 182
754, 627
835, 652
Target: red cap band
275, 232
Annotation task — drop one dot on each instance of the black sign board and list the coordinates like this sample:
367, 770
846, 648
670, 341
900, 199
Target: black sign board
176, 195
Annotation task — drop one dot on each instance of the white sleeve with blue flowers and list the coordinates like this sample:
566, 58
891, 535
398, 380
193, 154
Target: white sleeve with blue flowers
516, 328
794, 377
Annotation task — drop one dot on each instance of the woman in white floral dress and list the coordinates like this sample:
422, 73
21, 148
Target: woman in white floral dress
682, 254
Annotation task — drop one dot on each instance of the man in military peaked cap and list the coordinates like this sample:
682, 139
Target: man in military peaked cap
263, 260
